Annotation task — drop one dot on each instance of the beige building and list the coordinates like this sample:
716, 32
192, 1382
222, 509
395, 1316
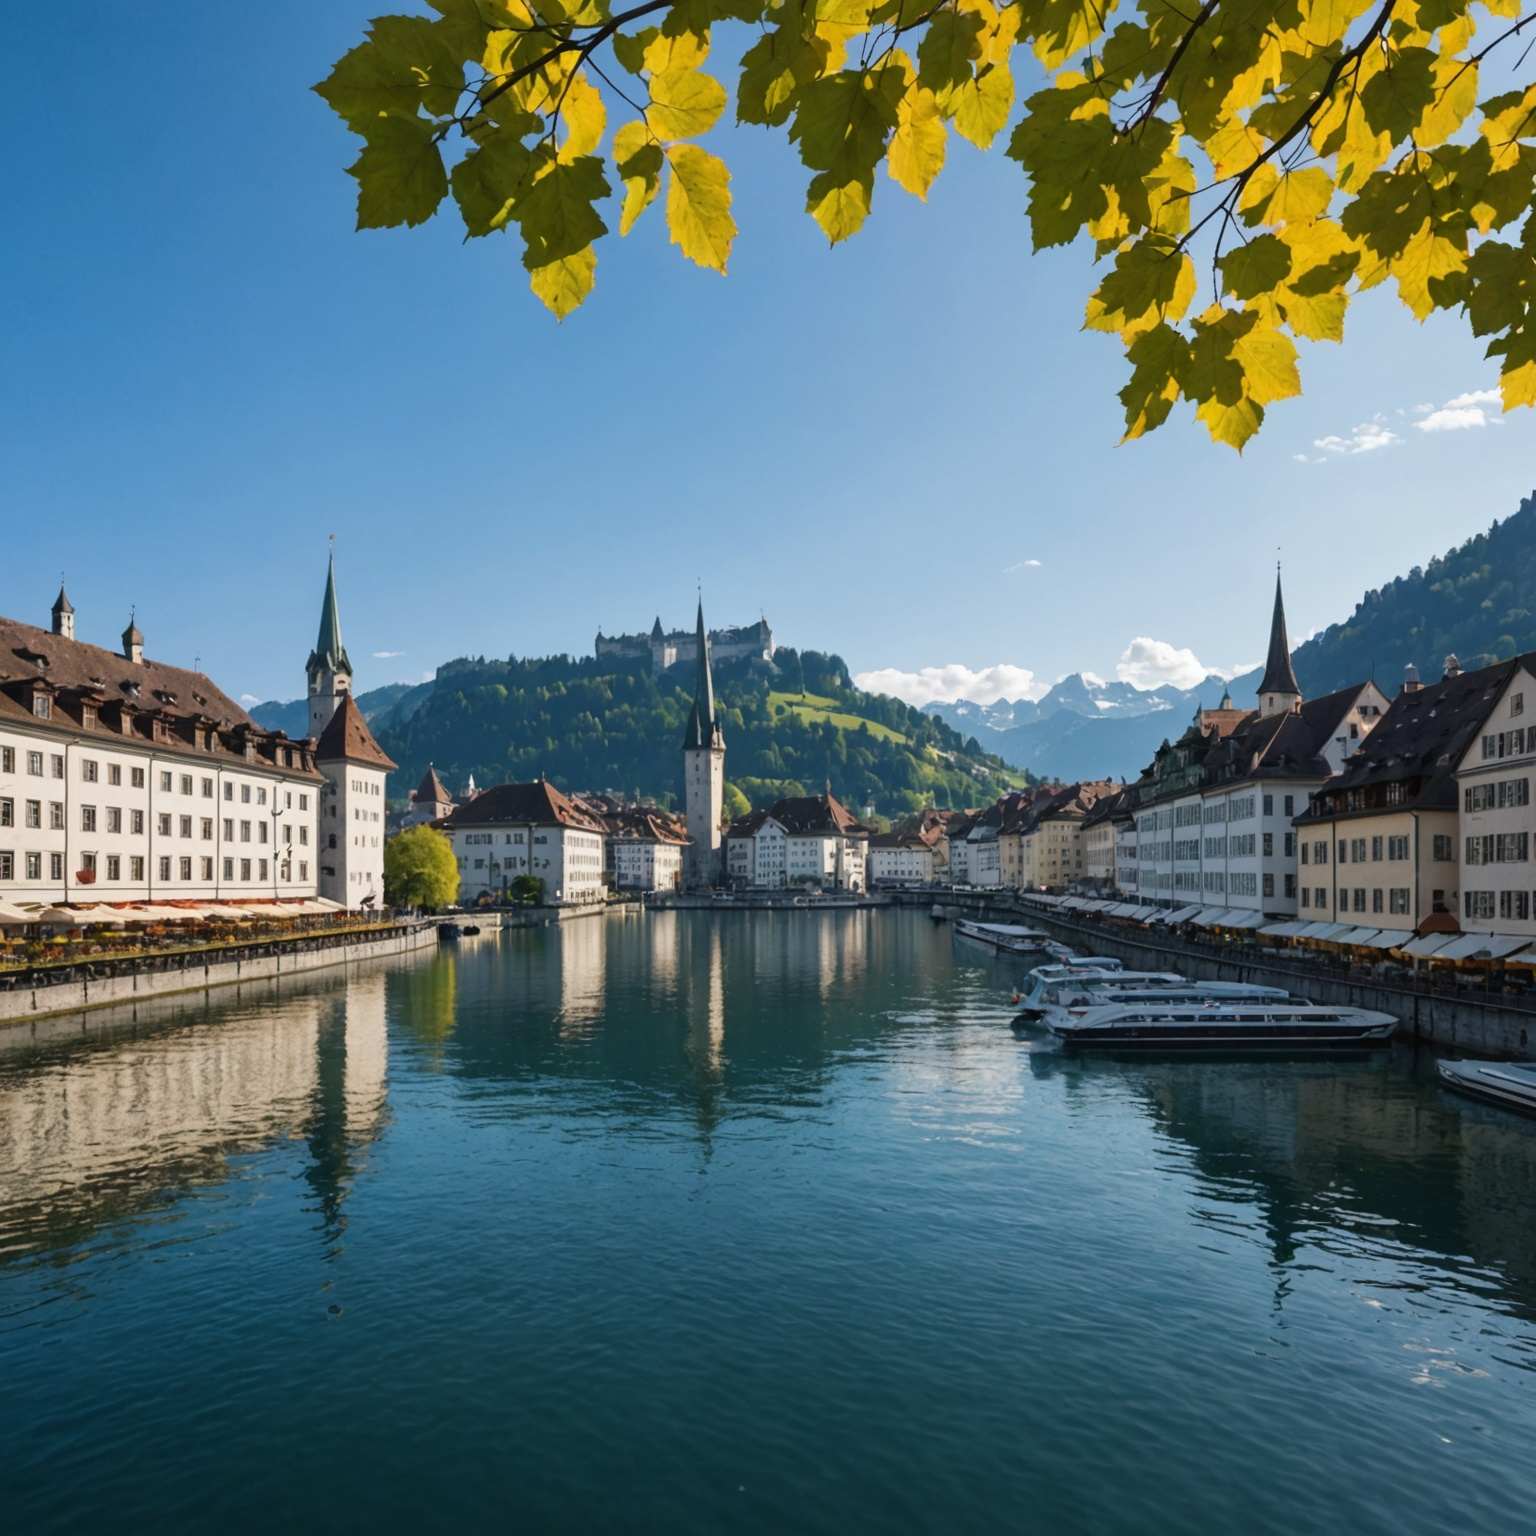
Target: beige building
1052, 848
1496, 820
528, 829
1102, 830
1378, 843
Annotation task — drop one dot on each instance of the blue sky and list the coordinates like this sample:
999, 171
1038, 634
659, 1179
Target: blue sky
206, 372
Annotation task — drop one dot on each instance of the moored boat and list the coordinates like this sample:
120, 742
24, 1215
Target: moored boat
1223, 1025
1010, 938
1509, 1083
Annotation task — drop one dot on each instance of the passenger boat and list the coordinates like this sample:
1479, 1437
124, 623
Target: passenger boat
1510, 1083
1223, 1025
1010, 938
1109, 992
1053, 986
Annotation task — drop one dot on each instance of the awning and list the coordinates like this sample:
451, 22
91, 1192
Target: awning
1356, 936
1283, 930
10, 914
1329, 931
1482, 946
1209, 917
1389, 938
1429, 944
1144, 914
1238, 918
1184, 914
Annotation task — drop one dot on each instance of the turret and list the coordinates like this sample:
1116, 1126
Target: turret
1279, 693
133, 641
63, 616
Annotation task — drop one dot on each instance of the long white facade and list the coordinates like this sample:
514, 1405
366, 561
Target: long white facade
569, 861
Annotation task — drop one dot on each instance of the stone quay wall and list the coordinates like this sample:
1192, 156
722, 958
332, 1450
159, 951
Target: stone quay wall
118, 982
1476, 1025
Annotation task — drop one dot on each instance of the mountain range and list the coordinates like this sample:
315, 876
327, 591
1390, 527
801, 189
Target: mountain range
800, 721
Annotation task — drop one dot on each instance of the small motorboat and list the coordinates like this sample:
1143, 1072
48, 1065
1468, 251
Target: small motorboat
450, 931
1007, 938
1221, 1025
1510, 1083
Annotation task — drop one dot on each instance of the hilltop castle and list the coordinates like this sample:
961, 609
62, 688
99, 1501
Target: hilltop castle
668, 647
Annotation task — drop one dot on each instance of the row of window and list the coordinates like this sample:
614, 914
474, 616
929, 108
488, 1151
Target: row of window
1499, 848
1506, 743
1497, 795
1395, 900
168, 868
1511, 906
1361, 850
170, 783
110, 819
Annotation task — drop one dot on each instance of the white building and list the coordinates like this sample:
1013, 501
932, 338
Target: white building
123, 779
704, 775
902, 858
666, 649
522, 829
644, 853
430, 800
810, 840
355, 768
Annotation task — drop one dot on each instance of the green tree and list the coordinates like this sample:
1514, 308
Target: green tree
526, 891
420, 869
736, 803
1302, 150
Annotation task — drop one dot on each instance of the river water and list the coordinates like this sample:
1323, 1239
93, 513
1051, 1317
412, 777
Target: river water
759, 1222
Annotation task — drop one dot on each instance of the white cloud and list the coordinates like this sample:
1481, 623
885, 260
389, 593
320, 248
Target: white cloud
944, 685
1474, 408
1149, 663
387, 655
1366, 437
1021, 565
1092, 679
249, 698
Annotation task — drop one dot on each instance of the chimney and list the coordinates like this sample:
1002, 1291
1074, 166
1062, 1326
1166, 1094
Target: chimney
133, 643
1452, 666
1411, 683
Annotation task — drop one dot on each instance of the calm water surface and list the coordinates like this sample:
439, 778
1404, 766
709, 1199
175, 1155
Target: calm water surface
750, 1223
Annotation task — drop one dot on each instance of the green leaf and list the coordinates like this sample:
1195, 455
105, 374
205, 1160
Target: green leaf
400, 176
488, 180
773, 71
699, 206
405, 65
1396, 98
944, 56
556, 214
1257, 267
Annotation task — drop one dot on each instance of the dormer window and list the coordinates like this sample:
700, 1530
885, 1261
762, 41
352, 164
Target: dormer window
88, 716
42, 706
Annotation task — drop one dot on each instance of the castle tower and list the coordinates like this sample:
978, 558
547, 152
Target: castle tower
329, 670
1278, 691
704, 774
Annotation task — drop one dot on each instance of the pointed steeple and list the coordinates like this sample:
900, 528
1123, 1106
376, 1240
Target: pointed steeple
703, 728
1278, 690
63, 614
329, 653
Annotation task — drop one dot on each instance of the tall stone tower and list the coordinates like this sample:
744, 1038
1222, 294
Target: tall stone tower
1279, 693
329, 670
704, 774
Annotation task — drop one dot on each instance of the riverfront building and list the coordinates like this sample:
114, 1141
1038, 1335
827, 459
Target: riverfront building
527, 829
808, 840
125, 779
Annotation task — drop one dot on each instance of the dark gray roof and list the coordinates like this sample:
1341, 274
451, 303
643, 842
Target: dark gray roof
1279, 675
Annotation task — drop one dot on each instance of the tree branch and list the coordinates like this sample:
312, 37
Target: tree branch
1173, 63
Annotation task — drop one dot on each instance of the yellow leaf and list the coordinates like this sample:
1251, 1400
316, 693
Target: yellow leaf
1427, 255
1231, 424
1268, 359
840, 207
981, 107
1455, 97
563, 283
1318, 317
699, 206
638, 158
687, 50
1234, 148
916, 154
684, 104
1296, 198
1519, 386
584, 116
1326, 21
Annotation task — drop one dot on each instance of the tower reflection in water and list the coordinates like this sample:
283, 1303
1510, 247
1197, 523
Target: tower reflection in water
118, 1123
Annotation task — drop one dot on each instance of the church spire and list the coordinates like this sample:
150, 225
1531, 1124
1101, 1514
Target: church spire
1278, 691
703, 727
329, 653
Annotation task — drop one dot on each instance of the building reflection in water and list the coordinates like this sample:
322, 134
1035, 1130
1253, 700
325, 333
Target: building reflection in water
1342, 1155
119, 1122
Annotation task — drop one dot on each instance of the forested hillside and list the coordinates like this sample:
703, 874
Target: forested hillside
790, 727
1477, 600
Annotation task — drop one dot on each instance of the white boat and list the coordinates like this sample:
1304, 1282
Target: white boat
1053, 986
1223, 1026
1064, 1000
1010, 938
1510, 1083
